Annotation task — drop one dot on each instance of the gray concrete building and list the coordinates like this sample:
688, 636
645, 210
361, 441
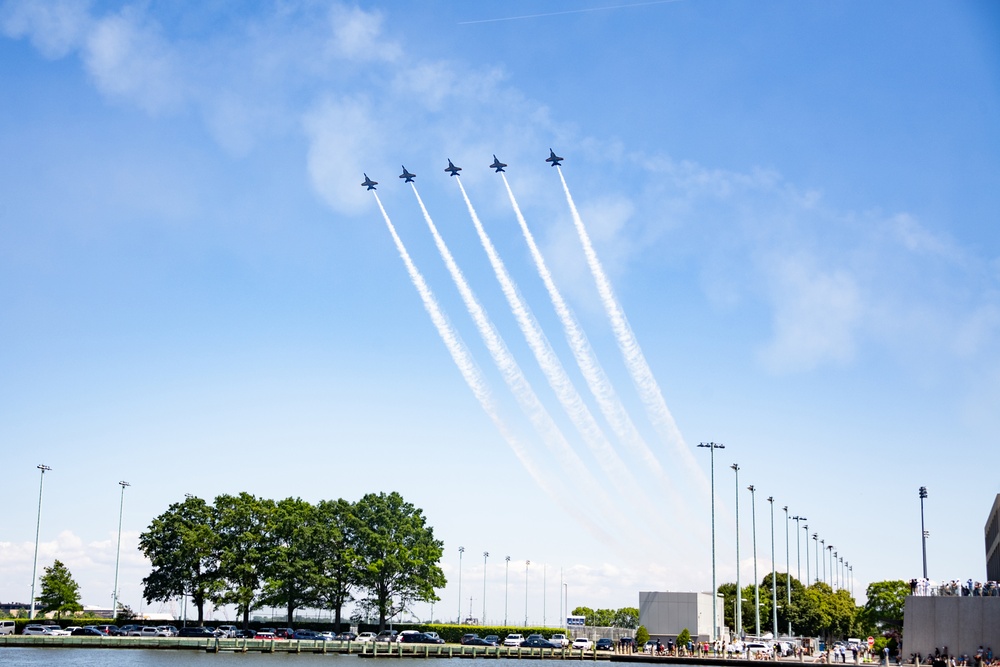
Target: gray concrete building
963, 624
666, 614
992, 532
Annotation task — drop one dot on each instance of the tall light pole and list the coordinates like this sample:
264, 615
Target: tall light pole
38, 525
923, 531
756, 584
506, 577
738, 621
118, 553
850, 569
774, 581
788, 576
836, 572
823, 543
486, 554
798, 548
808, 578
829, 553
711, 448
461, 550
526, 564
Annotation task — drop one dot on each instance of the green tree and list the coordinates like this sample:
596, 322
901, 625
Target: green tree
336, 558
180, 544
292, 567
683, 638
59, 591
397, 554
641, 636
244, 547
626, 617
883, 612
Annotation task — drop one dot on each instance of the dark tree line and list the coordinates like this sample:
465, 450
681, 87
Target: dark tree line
253, 553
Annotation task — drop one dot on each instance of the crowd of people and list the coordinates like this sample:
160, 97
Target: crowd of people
955, 587
983, 657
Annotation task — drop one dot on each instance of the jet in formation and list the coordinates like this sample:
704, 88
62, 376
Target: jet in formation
369, 183
407, 175
553, 158
452, 169
497, 164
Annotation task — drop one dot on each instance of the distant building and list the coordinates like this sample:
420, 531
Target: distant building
666, 614
992, 532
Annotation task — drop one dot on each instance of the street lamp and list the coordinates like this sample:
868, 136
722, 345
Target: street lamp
526, 564
850, 570
506, 576
923, 532
788, 573
835, 577
118, 553
823, 543
461, 550
739, 591
756, 583
829, 553
798, 546
711, 448
774, 582
38, 525
486, 554
815, 537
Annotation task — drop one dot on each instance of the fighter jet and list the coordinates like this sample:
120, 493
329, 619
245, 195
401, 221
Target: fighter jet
452, 169
369, 183
553, 158
407, 175
497, 164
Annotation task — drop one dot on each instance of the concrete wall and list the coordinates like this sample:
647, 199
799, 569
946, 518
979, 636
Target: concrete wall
963, 624
666, 614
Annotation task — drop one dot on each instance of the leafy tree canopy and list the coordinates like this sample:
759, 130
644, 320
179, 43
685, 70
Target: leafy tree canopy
59, 591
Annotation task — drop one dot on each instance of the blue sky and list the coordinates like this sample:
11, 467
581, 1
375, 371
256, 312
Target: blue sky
795, 205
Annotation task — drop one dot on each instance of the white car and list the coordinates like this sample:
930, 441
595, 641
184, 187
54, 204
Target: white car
560, 639
57, 631
366, 637
399, 637
582, 644
513, 640
227, 630
147, 631
37, 630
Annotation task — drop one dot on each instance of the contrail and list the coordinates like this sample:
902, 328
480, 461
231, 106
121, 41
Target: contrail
554, 372
470, 372
635, 361
597, 381
513, 375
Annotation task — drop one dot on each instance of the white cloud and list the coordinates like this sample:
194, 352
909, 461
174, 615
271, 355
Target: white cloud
55, 28
816, 315
128, 59
357, 35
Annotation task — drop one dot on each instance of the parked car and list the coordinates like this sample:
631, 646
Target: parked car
604, 644
109, 630
170, 630
468, 636
309, 635
537, 641
493, 640
195, 632
246, 634
262, 634
513, 639
284, 633
227, 630
57, 630
365, 637
419, 638
125, 629
88, 631
386, 636
434, 635
7, 627
346, 637
37, 630
560, 639
404, 633
478, 641
582, 644
147, 631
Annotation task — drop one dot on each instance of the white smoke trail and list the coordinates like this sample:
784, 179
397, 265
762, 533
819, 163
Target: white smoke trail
597, 381
554, 372
635, 361
513, 375
470, 372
